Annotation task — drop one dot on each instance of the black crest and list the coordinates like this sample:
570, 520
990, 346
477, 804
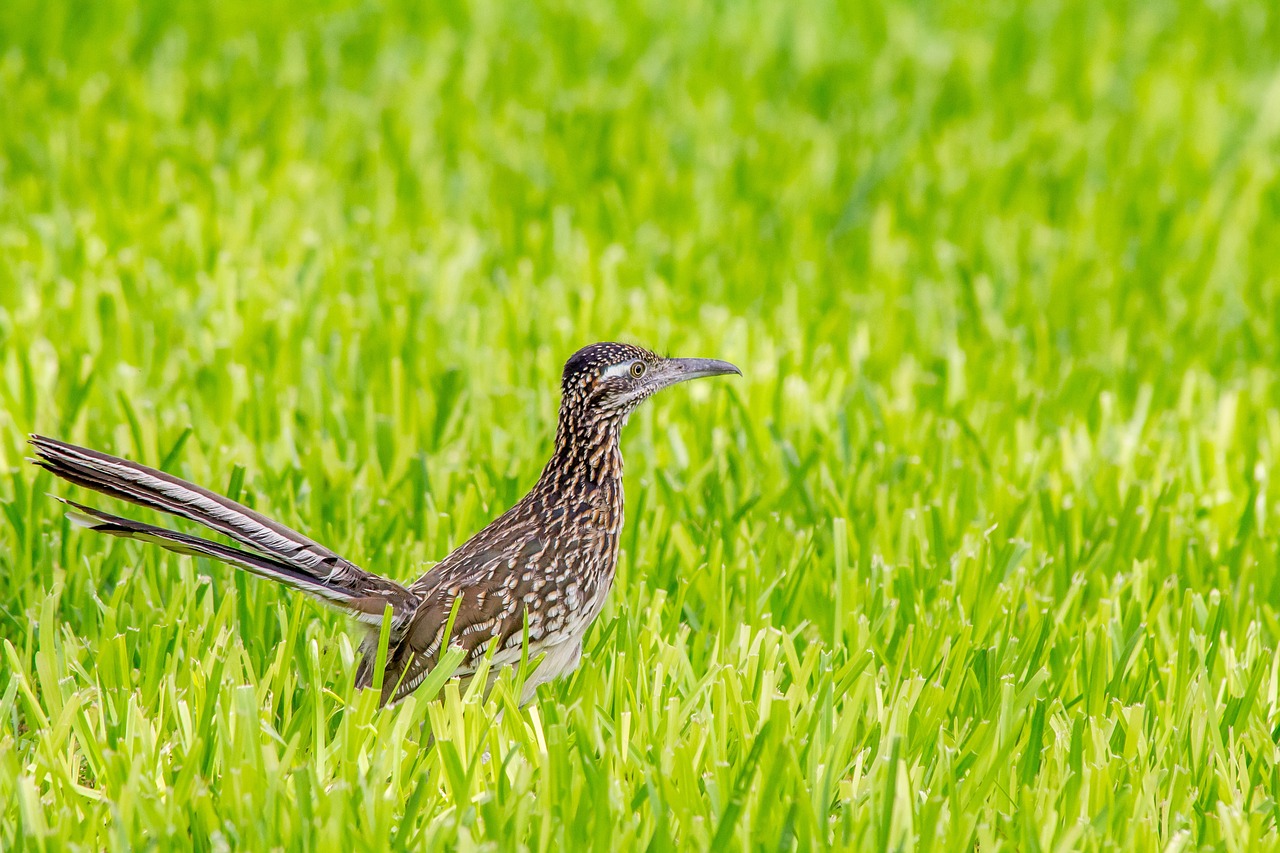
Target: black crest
585, 364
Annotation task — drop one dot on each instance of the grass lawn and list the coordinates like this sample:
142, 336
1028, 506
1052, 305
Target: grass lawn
982, 552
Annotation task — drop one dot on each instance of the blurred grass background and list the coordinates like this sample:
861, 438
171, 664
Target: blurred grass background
982, 551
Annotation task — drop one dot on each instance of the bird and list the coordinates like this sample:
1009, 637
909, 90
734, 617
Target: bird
541, 570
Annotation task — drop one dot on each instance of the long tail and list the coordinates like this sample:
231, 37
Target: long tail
182, 543
271, 550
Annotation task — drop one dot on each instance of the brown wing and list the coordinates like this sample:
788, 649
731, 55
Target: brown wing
496, 590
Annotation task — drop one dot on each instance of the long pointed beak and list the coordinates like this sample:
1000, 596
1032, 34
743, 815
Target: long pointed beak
684, 369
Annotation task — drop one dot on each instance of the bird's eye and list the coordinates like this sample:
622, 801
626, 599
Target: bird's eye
637, 369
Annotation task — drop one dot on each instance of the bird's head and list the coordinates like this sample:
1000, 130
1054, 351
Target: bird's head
610, 380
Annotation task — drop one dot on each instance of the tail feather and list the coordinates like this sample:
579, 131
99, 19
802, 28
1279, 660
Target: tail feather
182, 543
270, 549
148, 487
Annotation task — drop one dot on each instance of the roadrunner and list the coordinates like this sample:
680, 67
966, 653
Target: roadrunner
542, 568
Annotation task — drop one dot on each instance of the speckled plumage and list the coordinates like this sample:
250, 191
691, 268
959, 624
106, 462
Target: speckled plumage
548, 561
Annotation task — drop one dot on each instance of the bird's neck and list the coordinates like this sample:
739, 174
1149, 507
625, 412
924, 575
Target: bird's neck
587, 454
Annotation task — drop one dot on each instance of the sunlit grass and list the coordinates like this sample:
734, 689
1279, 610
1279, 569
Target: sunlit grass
981, 551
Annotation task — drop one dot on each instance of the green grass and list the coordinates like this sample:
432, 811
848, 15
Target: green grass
982, 552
